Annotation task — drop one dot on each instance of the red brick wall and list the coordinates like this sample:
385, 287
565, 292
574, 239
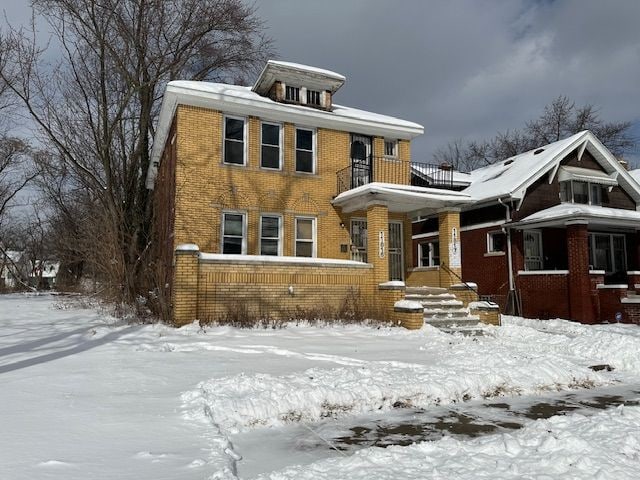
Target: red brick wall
609, 299
581, 305
544, 296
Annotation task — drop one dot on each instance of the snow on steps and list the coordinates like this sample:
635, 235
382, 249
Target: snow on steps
443, 310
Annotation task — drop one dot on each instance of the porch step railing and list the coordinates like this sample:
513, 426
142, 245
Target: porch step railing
391, 170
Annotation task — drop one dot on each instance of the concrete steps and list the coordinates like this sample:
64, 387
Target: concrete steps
443, 310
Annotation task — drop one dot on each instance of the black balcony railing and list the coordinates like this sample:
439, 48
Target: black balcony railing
388, 170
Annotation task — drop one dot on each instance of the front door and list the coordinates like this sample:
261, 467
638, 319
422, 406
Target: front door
361, 165
396, 270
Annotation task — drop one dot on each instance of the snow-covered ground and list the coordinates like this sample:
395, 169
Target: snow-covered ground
85, 396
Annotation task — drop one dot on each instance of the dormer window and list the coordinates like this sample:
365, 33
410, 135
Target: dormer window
581, 192
313, 98
292, 94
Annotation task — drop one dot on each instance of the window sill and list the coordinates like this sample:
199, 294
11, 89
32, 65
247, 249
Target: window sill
426, 269
494, 254
543, 272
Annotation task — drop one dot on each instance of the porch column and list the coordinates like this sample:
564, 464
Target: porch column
450, 253
378, 240
580, 306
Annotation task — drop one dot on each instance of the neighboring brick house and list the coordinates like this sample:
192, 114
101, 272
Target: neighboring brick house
275, 199
550, 233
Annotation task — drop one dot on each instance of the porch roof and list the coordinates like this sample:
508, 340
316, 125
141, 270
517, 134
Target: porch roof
560, 215
400, 198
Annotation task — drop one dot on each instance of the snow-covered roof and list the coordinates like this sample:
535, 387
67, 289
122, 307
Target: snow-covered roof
512, 177
399, 198
576, 212
635, 174
240, 100
302, 75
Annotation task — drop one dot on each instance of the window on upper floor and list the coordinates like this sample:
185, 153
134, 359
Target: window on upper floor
496, 242
581, 192
292, 94
234, 141
305, 237
313, 97
270, 154
270, 235
390, 148
305, 151
429, 254
234, 233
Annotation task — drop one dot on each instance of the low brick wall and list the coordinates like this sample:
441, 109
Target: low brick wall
281, 289
544, 295
424, 276
609, 297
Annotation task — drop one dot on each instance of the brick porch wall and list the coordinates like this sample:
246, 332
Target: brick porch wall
544, 295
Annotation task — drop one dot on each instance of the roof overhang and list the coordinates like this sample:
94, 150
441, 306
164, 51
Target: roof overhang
400, 198
594, 216
580, 174
304, 75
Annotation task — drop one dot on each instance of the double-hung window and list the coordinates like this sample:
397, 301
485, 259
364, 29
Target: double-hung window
533, 250
234, 233
607, 251
305, 151
429, 254
305, 237
270, 154
390, 148
270, 237
234, 140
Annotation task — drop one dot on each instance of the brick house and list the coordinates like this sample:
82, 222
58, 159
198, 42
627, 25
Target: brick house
276, 199
552, 232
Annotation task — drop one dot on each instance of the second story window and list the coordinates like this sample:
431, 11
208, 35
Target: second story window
313, 97
270, 150
234, 141
304, 150
581, 192
292, 94
390, 148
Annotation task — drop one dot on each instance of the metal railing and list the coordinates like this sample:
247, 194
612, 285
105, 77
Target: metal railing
391, 170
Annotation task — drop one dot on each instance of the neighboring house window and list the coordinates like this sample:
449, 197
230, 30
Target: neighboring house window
305, 237
429, 254
607, 252
496, 242
313, 97
270, 227
234, 233
581, 192
533, 251
390, 148
234, 141
304, 150
270, 152
292, 94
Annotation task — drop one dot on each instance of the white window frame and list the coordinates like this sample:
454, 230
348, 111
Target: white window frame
280, 142
592, 249
279, 238
393, 142
314, 246
430, 257
244, 140
590, 195
490, 242
313, 151
244, 230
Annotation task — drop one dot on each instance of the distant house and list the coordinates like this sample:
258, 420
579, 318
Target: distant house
552, 232
43, 274
13, 266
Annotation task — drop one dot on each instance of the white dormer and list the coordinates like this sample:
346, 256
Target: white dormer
300, 84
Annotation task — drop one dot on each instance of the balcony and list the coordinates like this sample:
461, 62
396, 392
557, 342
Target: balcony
389, 170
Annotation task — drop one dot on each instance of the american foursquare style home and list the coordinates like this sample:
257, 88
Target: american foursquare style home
278, 201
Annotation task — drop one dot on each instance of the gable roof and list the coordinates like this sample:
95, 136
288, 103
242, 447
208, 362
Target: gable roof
512, 177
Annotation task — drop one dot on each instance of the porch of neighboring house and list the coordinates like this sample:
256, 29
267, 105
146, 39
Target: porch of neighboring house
584, 268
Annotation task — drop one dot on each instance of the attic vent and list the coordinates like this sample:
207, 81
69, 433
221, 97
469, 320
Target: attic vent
508, 162
540, 150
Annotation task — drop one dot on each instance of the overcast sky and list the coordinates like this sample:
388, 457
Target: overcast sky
462, 68
467, 68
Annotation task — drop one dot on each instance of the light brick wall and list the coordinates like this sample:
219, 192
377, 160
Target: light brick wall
447, 221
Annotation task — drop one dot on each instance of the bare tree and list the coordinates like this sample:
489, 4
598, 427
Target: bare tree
95, 109
560, 119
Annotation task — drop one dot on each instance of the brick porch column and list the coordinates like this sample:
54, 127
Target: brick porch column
580, 307
378, 240
185, 285
450, 253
